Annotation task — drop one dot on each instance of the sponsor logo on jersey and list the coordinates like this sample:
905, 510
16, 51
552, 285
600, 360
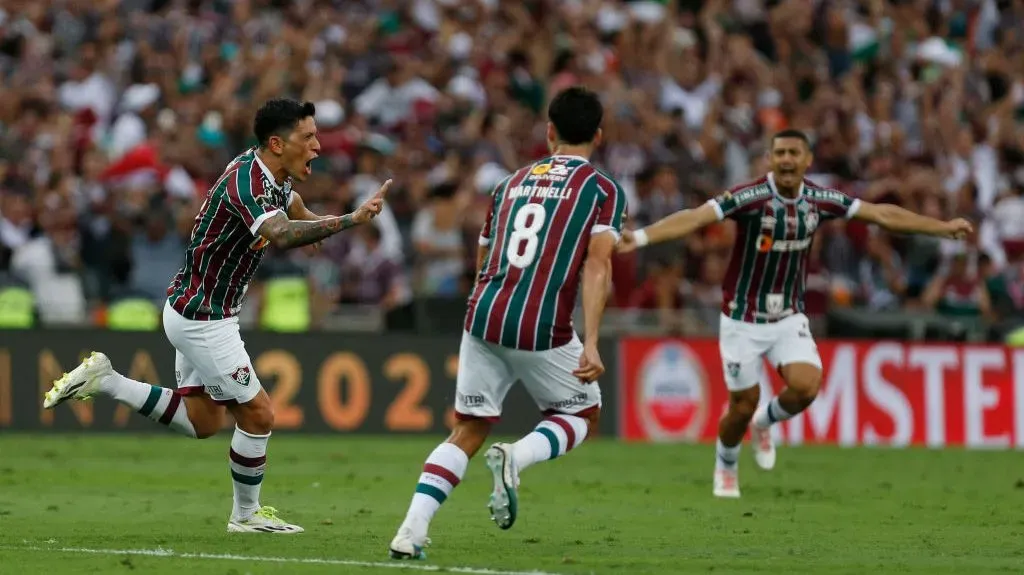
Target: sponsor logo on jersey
768, 222
830, 196
768, 244
673, 393
773, 304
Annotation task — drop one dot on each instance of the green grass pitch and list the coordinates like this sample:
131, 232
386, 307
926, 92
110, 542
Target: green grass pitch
607, 508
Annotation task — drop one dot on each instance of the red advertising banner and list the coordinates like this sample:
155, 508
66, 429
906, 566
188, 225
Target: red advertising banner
874, 393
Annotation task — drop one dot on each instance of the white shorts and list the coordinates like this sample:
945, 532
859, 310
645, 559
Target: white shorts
211, 356
487, 371
742, 345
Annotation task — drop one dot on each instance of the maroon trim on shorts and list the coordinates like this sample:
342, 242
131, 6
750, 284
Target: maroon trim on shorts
198, 390
467, 417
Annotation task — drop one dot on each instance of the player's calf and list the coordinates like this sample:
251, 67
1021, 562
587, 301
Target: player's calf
247, 459
731, 429
95, 376
442, 473
556, 435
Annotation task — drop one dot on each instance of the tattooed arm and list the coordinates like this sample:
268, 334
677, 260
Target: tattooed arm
284, 233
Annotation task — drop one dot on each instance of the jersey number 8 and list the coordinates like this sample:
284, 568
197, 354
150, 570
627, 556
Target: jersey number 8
525, 232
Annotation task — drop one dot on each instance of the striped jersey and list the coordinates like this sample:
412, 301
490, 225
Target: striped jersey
225, 248
538, 231
765, 279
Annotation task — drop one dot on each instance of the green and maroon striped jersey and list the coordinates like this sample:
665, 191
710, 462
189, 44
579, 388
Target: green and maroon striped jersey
538, 231
225, 248
768, 268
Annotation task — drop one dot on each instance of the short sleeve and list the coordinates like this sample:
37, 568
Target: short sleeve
611, 213
833, 204
739, 203
250, 199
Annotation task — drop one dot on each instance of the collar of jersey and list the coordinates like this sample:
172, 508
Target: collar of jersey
771, 184
266, 170
571, 157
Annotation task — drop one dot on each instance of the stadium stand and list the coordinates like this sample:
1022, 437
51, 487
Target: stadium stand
116, 116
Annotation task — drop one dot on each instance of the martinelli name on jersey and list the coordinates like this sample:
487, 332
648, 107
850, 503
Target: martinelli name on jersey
225, 248
538, 230
766, 275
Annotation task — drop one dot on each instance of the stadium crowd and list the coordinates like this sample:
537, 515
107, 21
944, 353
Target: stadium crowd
117, 115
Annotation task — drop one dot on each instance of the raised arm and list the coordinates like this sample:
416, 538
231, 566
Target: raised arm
900, 220
284, 233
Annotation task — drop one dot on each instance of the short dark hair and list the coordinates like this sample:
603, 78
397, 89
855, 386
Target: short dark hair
791, 133
278, 117
576, 113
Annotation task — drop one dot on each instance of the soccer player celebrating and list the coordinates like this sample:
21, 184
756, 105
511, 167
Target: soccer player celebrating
549, 223
250, 207
762, 308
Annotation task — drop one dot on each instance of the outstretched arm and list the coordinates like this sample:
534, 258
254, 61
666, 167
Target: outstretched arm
679, 224
900, 220
284, 233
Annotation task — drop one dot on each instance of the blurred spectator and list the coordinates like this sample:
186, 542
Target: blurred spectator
437, 236
111, 111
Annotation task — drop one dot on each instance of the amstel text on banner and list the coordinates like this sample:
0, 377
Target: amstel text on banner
874, 393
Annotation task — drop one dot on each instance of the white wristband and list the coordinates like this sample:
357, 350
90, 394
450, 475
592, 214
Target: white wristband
641, 239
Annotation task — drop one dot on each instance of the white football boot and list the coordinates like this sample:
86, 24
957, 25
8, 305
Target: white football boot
409, 543
80, 383
265, 520
727, 483
504, 503
764, 446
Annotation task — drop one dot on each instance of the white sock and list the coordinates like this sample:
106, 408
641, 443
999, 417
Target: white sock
727, 457
248, 458
553, 437
442, 471
772, 413
160, 404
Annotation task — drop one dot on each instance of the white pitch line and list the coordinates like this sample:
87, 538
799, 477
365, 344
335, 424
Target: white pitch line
258, 559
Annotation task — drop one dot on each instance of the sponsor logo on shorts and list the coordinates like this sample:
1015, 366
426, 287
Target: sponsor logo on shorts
242, 375
177, 376
214, 390
576, 400
471, 400
673, 393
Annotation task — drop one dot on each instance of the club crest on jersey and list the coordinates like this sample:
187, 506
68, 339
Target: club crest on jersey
811, 221
773, 304
242, 376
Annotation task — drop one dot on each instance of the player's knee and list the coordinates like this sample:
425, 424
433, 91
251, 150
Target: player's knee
743, 403
593, 417
806, 385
